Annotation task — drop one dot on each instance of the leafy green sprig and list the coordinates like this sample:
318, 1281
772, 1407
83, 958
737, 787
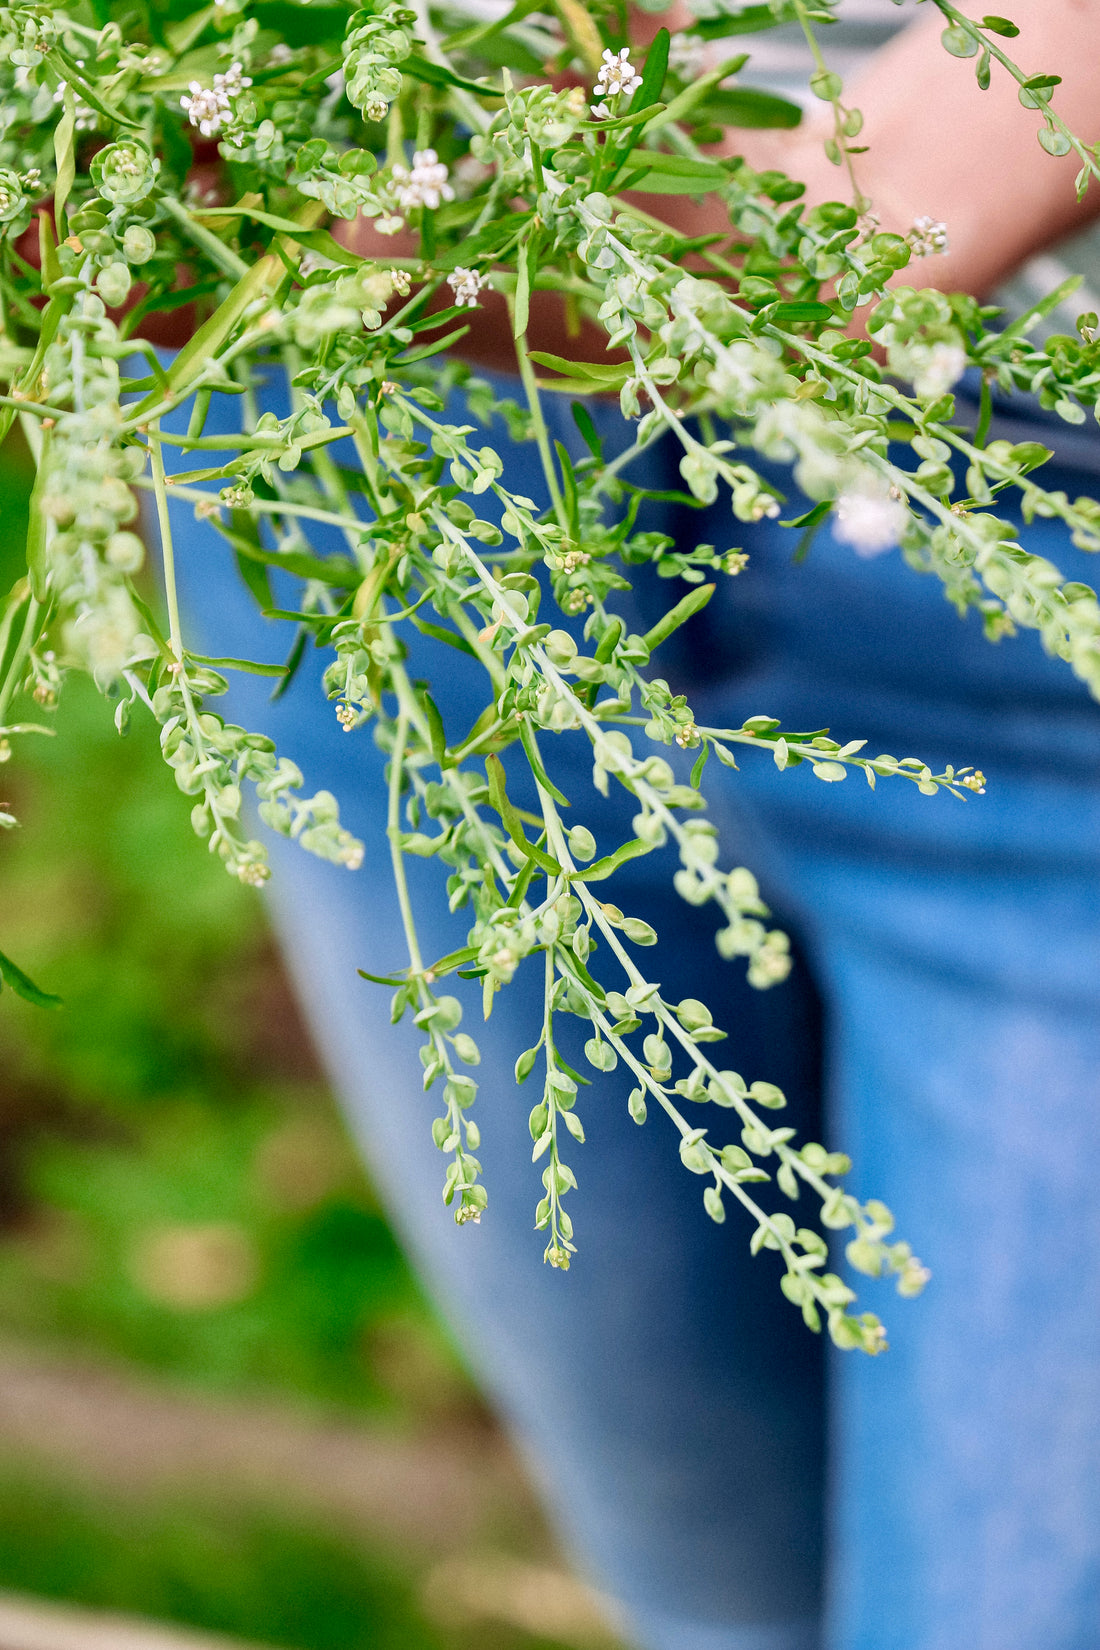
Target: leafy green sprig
731, 344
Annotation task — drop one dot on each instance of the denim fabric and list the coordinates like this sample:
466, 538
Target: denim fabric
943, 1013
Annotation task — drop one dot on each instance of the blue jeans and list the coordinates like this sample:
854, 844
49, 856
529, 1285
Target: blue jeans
705, 1459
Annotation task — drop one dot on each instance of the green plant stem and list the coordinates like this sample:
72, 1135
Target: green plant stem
542, 434
20, 656
167, 553
393, 832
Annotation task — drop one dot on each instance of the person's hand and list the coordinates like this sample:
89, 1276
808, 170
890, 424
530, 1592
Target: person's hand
938, 146
1004, 200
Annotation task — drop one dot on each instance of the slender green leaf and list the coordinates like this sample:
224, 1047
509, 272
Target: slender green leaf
435, 74
465, 38
798, 313
264, 276
653, 75
37, 524
569, 488
811, 517
612, 376
293, 661
530, 745
249, 666
492, 241
683, 105
600, 869
748, 107
685, 609
582, 418
680, 166
436, 347
23, 986
498, 797
69, 73
315, 240
1037, 312
438, 633
47, 250
748, 20
453, 960
436, 736
334, 570
64, 150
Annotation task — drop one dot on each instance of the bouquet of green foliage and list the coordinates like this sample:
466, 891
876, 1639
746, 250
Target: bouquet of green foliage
160, 154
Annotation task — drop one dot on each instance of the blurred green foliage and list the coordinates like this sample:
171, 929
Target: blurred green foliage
177, 1193
185, 1202
252, 1576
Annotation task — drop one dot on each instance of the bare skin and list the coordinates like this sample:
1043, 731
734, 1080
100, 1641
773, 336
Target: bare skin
940, 146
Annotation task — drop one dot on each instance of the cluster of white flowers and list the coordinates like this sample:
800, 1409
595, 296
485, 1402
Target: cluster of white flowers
466, 284
870, 520
207, 106
617, 78
425, 185
927, 235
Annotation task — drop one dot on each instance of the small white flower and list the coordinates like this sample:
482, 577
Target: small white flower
204, 108
401, 281
425, 185
234, 80
686, 56
937, 368
617, 78
870, 522
280, 53
207, 106
466, 284
927, 235
617, 75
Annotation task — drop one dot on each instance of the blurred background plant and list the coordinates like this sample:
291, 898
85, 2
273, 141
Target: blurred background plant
223, 1400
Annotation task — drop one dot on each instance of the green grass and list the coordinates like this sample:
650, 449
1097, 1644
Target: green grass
254, 1575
